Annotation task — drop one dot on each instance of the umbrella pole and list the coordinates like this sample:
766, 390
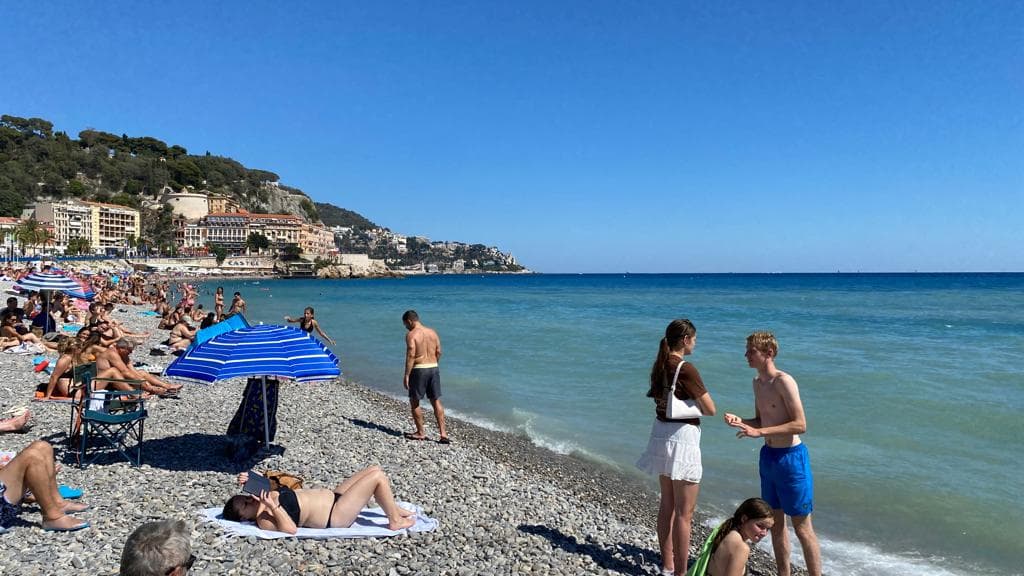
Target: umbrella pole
266, 415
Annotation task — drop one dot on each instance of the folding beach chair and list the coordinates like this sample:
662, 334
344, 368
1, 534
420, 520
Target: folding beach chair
109, 421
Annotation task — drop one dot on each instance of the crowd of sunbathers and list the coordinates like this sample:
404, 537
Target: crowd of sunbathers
107, 343
82, 334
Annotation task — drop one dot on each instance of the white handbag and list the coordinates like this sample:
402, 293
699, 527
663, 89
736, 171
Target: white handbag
676, 409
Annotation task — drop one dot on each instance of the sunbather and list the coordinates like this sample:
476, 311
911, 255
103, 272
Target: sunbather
117, 360
64, 369
33, 469
9, 331
181, 335
286, 510
15, 423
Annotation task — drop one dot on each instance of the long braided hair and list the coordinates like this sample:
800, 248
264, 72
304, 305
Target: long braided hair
750, 509
675, 332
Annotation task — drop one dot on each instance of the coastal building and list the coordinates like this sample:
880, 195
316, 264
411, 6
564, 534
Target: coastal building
187, 203
218, 204
316, 239
189, 236
114, 226
280, 229
103, 225
228, 229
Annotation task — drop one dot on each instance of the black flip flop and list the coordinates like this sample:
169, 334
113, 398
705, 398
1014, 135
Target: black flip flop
444, 440
411, 436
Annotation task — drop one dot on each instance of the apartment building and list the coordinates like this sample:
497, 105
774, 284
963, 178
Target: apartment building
218, 204
103, 225
317, 239
113, 225
280, 229
227, 229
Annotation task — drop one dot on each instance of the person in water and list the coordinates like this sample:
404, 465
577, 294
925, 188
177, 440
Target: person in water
287, 510
307, 322
726, 551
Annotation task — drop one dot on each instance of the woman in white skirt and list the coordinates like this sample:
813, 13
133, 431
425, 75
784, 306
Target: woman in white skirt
673, 452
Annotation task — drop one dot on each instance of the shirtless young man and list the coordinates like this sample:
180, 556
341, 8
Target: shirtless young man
422, 377
786, 482
237, 304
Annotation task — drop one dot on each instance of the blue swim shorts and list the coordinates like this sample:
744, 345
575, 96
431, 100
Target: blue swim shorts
786, 481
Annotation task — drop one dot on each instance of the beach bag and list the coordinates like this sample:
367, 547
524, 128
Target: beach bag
248, 419
676, 409
280, 478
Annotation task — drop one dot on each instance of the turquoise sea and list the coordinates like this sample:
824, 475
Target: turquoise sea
912, 385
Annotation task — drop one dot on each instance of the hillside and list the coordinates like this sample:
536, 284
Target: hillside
332, 215
38, 163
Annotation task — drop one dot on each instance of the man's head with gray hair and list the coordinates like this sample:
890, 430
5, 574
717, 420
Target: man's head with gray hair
158, 549
124, 344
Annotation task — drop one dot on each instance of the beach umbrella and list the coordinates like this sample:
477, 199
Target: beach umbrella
84, 291
47, 281
233, 322
41, 281
258, 351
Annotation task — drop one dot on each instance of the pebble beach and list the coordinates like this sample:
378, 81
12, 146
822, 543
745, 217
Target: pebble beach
504, 505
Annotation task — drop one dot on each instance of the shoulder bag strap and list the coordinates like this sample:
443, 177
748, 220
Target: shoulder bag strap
675, 378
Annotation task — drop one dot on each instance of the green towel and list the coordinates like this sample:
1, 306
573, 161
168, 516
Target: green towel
700, 565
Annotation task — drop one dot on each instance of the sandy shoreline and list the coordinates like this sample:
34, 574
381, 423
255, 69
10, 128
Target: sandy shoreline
505, 505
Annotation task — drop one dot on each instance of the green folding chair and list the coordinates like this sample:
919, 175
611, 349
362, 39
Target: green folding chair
110, 421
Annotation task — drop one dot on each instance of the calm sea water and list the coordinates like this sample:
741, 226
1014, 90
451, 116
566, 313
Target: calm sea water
912, 386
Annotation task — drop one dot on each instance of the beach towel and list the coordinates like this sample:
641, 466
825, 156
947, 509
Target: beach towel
40, 394
371, 523
700, 565
149, 313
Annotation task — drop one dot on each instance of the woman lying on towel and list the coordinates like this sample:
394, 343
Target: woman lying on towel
286, 510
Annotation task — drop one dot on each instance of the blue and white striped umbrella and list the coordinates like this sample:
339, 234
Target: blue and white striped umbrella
264, 350
48, 281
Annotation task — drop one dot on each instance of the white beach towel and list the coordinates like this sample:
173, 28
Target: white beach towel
371, 523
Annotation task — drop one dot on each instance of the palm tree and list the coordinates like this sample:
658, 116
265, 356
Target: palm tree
27, 233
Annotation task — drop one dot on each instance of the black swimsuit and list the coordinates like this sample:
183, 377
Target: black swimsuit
287, 499
290, 502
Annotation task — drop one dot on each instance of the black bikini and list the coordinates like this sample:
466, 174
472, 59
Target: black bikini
290, 502
287, 499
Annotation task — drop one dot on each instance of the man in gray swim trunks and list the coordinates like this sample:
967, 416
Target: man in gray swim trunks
422, 377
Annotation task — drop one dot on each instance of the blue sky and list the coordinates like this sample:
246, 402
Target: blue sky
581, 136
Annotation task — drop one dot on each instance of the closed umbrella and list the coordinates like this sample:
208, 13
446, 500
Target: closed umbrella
264, 350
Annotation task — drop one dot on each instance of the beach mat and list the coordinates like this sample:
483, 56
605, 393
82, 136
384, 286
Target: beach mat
371, 523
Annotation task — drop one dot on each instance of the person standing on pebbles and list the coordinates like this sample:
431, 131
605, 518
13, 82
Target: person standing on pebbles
673, 450
422, 376
785, 466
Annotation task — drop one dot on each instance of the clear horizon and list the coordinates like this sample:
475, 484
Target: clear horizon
581, 137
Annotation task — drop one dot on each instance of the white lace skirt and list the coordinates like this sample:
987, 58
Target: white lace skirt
673, 451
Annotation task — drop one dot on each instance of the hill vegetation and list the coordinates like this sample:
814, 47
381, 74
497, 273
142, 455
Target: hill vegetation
332, 215
38, 163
